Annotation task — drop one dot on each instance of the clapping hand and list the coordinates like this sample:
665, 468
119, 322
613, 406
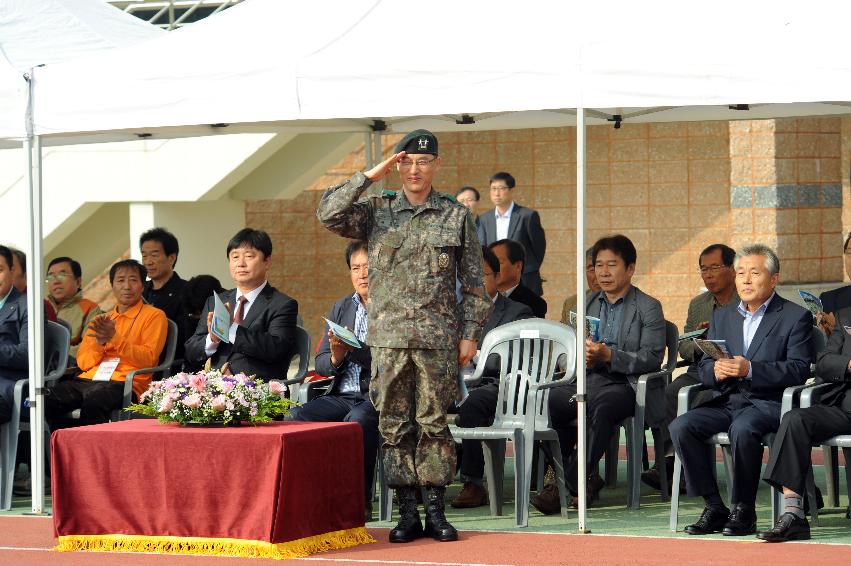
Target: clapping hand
731, 368
596, 352
102, 329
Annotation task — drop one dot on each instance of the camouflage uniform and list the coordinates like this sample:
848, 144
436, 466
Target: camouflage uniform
414, 319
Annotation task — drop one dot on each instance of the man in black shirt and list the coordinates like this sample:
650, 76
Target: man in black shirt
164, 286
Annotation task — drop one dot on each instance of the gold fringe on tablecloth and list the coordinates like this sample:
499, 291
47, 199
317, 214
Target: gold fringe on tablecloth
216, 546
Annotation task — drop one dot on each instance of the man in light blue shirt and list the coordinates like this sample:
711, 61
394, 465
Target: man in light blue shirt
769, 343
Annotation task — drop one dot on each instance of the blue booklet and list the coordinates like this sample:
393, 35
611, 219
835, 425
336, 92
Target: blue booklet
343, 333
693, 334
221, 320
812, 302
592, 326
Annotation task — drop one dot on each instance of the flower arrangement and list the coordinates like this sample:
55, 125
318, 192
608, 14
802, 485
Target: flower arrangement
213, 397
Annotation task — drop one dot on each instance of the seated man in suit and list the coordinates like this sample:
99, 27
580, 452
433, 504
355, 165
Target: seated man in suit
13, 335
800, 429
769, 339
631, 343
479, 408
262, 333
347, 399
509, 220
838, 298
129, 337
512, 258
716, 269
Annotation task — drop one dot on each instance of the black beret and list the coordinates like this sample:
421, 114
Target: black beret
418, 141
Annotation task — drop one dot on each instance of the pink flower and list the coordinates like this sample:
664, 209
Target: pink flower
218, 403
198, 381
240, 378
228, 385
276, 388
166, 404
192, 401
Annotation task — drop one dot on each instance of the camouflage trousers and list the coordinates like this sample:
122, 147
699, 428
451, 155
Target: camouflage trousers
412, 390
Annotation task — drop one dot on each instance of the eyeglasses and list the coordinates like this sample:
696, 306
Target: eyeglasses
421, 163
56, 277
500, 189
712, 269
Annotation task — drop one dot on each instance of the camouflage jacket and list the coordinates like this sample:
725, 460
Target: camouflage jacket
414, 255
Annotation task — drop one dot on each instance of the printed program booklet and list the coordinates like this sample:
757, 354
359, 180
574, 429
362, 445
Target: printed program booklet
693, 334
715, 349
220, 325
592, 326
812, 302
343, 334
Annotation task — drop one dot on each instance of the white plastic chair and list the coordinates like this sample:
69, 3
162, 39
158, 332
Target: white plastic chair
528, 351
57, 340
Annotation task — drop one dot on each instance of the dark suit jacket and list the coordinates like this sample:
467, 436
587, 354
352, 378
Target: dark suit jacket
13, 337
641, 340
780, 352
265, 341
504, 311
522, 294
343, 313
524, 227
832, 364
836, 299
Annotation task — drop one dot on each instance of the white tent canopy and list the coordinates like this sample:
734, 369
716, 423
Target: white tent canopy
268, 64
38, 32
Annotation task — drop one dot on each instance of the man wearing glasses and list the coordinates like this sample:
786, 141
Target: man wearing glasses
509, 220
715, 265
420, 241
65, 293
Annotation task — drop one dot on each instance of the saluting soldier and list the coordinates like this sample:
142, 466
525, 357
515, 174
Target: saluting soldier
420, 240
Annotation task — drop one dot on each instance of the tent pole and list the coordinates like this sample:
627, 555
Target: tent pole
367, 150
35, 313
582, 439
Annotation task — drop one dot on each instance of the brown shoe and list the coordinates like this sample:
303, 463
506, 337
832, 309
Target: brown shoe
547, 501
594, 485
471, 495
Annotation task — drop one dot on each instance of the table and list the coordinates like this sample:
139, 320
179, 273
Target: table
277, 490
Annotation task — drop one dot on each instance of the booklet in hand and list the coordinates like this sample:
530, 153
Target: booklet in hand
220, 326
344, 334
715, 349
592, 326
693, 334
812, 302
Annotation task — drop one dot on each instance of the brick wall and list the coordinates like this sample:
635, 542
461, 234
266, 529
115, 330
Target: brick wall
673, 188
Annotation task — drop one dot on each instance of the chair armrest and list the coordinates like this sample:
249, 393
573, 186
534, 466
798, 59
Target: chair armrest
551, 385
683, 364
812, 395
656, 375
789, 395
291, 381
685, 396
131, 375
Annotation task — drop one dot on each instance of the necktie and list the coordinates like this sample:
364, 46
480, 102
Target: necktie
240, 310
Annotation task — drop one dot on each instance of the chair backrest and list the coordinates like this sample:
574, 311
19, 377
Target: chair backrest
303, 351
299, 320
672, 336
528, 351
170, 348
57, 341
64, 323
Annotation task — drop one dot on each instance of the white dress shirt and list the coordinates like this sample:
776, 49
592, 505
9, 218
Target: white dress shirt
210, 347
502, 222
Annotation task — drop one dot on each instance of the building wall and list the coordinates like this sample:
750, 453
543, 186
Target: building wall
673, 188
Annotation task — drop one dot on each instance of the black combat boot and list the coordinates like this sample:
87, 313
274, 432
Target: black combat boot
436, 525
409, 527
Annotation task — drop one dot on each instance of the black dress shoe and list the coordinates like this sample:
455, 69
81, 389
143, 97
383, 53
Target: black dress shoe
788, 527
712, 520
742, 521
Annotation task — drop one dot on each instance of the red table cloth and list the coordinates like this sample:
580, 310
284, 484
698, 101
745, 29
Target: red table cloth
275, 490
